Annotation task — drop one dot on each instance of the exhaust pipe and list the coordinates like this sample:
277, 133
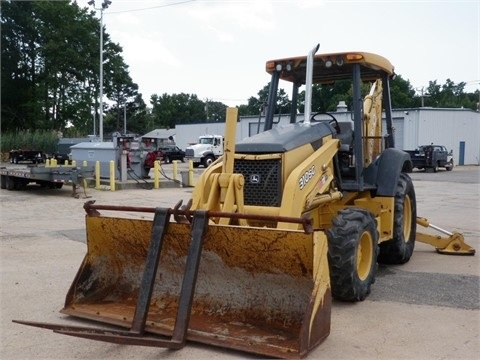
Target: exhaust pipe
308, 85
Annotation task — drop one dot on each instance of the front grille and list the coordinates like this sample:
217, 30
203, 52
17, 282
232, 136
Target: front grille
189, 152
263, 181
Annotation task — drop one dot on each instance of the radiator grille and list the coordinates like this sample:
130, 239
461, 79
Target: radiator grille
189, 152
263, 181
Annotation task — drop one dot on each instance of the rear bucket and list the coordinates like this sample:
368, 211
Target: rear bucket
258, 290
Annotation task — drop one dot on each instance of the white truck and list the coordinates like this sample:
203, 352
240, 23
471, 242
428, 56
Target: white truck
206, 151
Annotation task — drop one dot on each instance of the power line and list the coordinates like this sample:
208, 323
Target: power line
153, 7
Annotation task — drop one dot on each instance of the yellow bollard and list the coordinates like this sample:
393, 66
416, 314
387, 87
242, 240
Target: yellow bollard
47, 163
97, 175
175, 169
65, 163
53, 162
74, 163
156, 174
190, 173
112, 175
85, 164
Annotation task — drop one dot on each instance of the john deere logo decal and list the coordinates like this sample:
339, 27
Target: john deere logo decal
254, 179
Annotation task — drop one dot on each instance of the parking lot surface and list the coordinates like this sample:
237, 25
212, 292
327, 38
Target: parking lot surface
426, 309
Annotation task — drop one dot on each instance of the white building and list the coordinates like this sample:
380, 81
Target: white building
457, 129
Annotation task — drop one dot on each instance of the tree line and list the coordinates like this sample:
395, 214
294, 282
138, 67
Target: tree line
50, 80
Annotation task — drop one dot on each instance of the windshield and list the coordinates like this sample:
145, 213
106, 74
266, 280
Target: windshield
206, 141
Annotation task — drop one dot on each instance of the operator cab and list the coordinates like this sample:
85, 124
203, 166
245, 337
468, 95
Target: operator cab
356, 168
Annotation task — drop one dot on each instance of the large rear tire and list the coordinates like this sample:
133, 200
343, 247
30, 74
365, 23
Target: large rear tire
352, 254
399, 249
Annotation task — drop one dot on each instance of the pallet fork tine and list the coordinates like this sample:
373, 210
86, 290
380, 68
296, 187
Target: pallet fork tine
135, 336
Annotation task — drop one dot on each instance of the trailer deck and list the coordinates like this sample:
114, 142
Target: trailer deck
53, 177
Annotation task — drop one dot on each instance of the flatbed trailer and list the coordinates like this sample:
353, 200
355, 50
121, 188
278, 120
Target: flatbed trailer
53, 177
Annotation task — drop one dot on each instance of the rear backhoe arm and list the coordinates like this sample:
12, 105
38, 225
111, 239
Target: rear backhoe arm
452, 244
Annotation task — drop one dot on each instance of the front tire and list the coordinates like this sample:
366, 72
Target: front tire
352, 254
399, 249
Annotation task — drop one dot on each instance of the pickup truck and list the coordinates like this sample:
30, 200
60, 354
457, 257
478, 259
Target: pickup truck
33, 156
431, 157
171, 152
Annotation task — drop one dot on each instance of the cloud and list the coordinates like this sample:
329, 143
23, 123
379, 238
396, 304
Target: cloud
234, 17
127, 19
147, 49
310, 4
223, 36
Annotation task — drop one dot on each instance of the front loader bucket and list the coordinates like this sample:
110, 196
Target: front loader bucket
257, 290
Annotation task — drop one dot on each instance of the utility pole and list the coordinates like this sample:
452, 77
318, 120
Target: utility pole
423, 95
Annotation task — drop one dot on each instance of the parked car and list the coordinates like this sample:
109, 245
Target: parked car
171, 152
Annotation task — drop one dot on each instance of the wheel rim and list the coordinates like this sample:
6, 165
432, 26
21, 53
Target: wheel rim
364, 255
407, 218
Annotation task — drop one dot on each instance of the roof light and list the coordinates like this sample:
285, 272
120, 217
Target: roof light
354, 57
270, 65
278, 67
328, 63
339, 61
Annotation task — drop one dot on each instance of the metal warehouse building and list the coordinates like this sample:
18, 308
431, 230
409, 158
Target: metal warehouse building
457, 129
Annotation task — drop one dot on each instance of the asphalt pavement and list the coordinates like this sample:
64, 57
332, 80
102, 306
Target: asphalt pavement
428, 308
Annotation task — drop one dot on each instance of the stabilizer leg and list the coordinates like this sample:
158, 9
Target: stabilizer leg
454, 244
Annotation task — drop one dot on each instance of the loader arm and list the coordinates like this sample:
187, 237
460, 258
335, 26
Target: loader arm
453, 244
218, 188
308, 182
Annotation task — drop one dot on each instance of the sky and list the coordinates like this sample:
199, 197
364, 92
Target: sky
217, 49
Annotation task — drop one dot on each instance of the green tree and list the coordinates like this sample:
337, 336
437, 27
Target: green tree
68, 76
402, 94
256, 105
19, 49
168, 110
120, 89
215, 111
50, 71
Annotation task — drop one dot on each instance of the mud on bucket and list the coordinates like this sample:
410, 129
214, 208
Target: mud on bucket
257, 290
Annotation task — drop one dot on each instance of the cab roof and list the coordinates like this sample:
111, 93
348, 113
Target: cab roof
328, 68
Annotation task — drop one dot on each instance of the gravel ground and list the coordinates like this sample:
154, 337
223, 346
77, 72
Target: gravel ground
425, 309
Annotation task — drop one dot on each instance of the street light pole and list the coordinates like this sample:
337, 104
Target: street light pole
105, 5
100, 131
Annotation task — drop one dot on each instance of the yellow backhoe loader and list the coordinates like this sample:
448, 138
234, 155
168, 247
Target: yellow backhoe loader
285, 220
